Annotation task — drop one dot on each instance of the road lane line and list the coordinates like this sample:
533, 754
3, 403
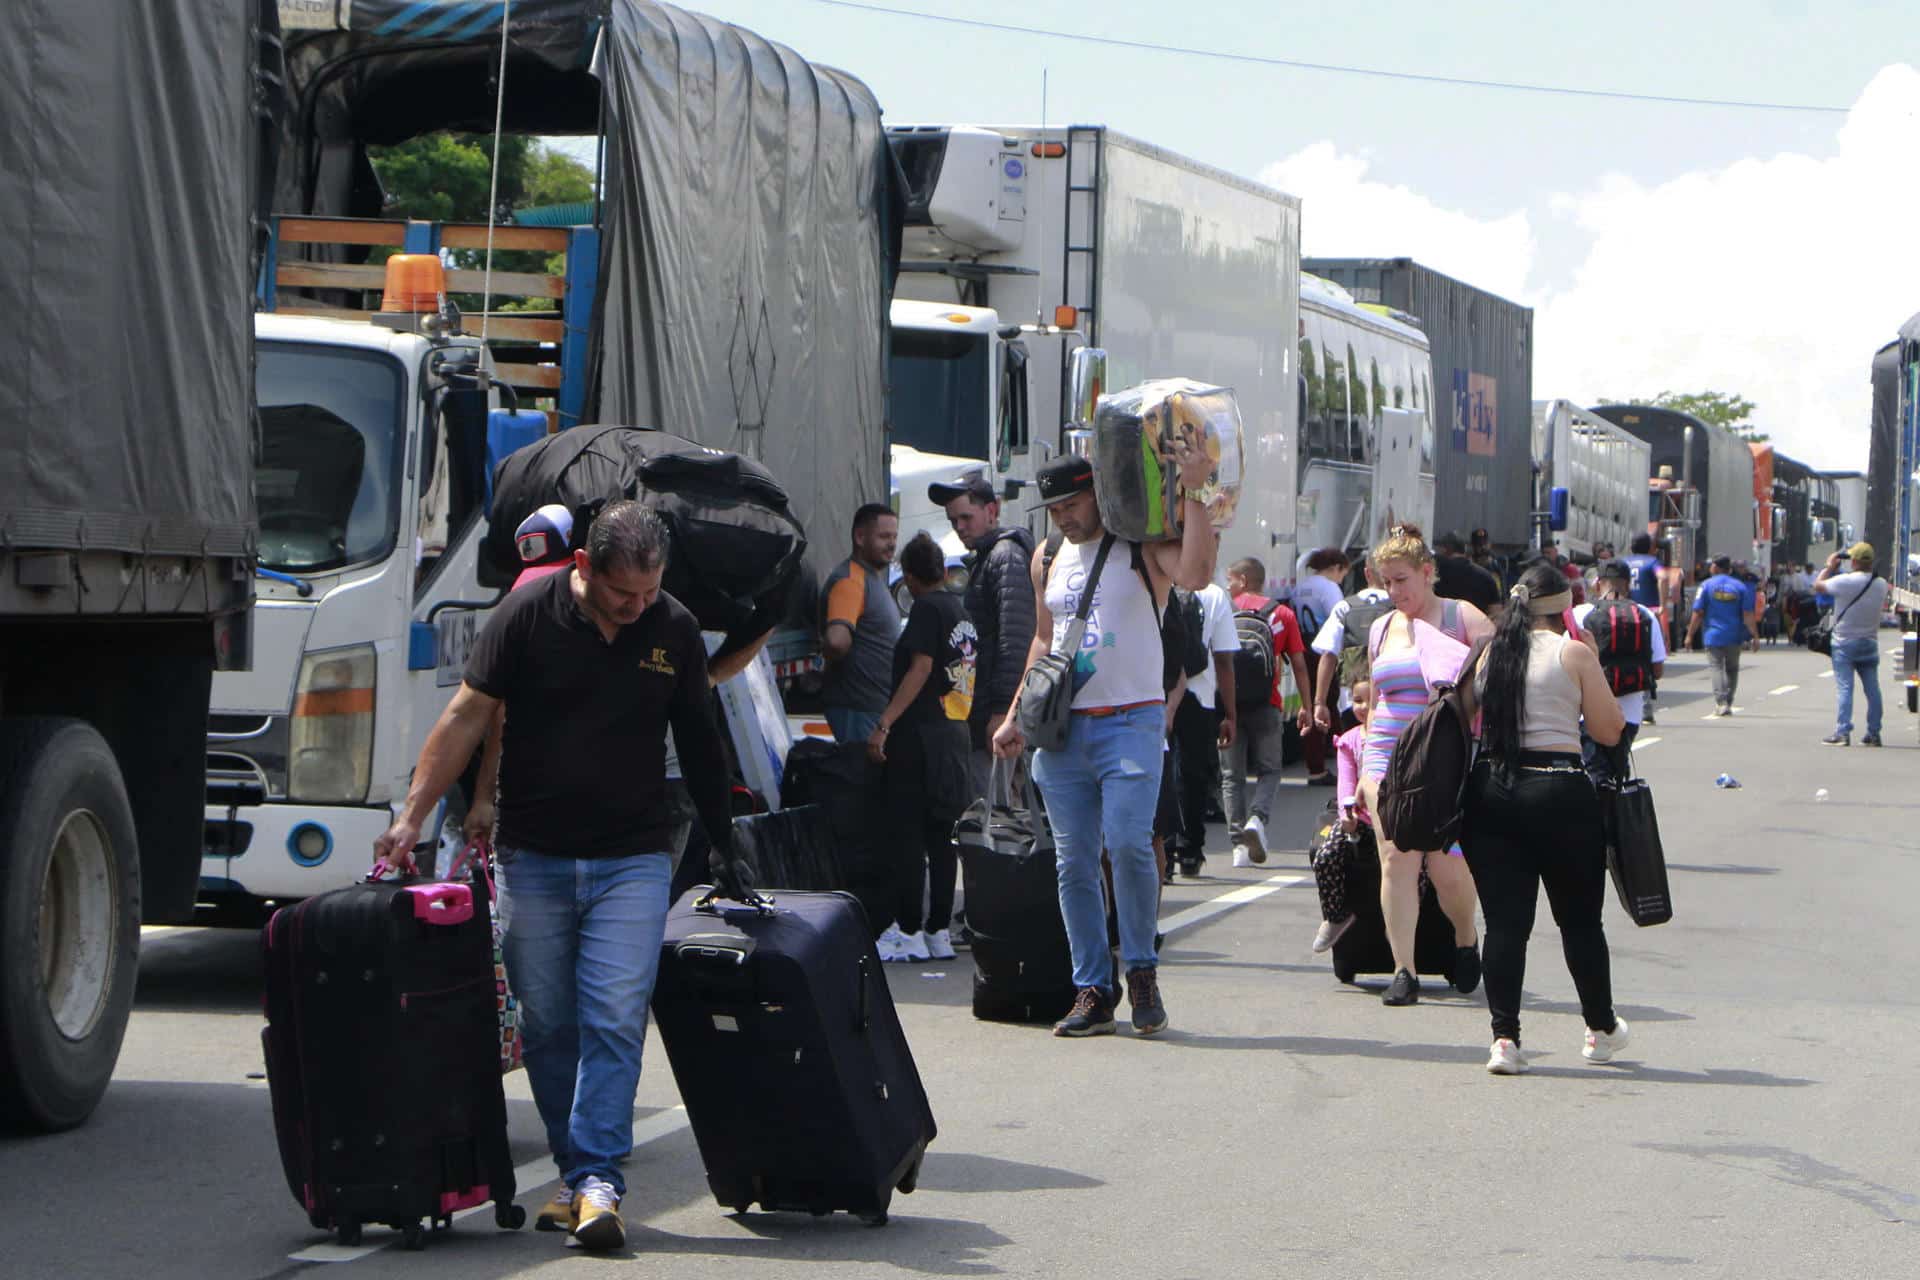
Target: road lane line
1826, 675
1205, 911
533, 1176
1785, 688
1645, 742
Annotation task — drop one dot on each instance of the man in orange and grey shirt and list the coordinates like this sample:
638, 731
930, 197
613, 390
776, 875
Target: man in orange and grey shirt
860, 623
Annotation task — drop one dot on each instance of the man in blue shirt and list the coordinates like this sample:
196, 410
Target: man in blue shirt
1723, 604
1643, 573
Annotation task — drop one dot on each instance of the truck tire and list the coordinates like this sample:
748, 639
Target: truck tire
69, 920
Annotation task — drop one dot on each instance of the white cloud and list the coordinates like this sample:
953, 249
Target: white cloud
1774, 277
1346, 214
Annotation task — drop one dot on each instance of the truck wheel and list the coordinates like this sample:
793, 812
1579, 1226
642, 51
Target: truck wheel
69, 920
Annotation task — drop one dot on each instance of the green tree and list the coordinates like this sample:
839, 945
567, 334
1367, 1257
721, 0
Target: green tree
1716, 409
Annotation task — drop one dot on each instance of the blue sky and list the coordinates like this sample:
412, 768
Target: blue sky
1665, 246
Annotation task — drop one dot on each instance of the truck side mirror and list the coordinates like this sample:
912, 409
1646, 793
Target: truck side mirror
1086, 382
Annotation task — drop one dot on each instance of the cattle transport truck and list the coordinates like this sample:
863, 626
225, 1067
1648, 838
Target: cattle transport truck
1024, 244
127, 526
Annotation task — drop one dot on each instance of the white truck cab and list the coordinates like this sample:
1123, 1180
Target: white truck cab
368, 537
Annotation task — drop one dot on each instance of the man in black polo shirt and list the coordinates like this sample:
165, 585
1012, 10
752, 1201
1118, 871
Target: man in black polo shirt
592, 667
1455, 577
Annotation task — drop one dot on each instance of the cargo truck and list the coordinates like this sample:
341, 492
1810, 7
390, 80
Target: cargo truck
731, 286
127, 522
1482, 357
1024, 244
1592, 478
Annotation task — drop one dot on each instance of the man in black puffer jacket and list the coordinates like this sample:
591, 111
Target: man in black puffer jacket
999, 599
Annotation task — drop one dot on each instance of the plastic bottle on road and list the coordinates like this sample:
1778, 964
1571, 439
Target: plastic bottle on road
1727, 782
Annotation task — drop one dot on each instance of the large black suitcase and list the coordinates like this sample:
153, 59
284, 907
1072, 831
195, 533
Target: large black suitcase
789, 1056
1363, 947
383, 1057
1023, 966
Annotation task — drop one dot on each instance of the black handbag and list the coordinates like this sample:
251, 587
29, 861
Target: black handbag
1046, 693
1820, 638
1635, 857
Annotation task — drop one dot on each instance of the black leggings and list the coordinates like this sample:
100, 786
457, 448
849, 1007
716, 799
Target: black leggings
928, 776
1196, 760
1539, 825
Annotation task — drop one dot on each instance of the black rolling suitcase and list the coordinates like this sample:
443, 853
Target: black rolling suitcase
789, 1056
383, 1057
1363, 947
1022, 964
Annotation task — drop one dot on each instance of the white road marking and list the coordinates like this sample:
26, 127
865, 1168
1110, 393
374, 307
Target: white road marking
1205, 911
1827, 674
1645, 742
1785, 688
533, 1176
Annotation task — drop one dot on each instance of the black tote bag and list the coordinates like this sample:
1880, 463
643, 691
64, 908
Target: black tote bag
1634, 854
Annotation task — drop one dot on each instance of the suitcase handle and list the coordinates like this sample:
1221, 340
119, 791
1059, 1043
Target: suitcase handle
865, 1006
726, 951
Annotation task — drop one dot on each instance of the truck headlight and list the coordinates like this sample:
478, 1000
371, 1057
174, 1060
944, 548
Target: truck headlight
330, 756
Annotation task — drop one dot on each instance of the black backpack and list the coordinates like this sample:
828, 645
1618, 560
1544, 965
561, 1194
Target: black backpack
1255, 664
1625, 638
1420, 798
1186, 624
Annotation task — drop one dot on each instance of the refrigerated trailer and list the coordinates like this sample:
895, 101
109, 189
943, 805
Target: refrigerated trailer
1023, 244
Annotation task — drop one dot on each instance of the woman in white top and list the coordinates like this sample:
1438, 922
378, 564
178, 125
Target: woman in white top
1532, 816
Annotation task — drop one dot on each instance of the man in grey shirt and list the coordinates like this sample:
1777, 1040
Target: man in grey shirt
1858, 599
860, 623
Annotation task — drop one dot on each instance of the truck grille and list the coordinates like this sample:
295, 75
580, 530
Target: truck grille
234, 779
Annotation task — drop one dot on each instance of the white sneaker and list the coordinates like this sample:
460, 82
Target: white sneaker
1602, 1045
1329, 933
940, 945
913, 947
892, 944
1255, 834
1505, 1059
1241, 859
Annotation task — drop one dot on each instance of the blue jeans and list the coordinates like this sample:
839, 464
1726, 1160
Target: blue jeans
582, 942
849, 725
1863, 656
1101, 791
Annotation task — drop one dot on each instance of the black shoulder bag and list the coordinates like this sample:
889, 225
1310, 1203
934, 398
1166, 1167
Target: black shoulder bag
1046, 694
1820, 638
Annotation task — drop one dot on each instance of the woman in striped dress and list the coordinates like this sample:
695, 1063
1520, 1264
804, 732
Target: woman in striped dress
1424, 639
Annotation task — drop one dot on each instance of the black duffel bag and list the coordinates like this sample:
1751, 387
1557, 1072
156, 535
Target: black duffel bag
736, 544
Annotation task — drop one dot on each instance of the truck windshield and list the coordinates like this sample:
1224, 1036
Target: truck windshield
938, 398
330, 449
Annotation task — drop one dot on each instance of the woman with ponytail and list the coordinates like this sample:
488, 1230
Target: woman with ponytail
1423, 640
1531, 814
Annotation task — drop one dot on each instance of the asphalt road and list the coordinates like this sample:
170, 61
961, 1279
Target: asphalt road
1762, 1123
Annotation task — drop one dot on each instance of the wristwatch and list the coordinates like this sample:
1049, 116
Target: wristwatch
1194, 495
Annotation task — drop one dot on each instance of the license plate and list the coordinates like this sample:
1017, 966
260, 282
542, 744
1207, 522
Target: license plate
453, 633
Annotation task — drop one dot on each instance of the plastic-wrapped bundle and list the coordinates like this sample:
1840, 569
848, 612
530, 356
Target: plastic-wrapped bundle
1139, 437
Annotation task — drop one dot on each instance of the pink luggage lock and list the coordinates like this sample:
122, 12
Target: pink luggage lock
441, 902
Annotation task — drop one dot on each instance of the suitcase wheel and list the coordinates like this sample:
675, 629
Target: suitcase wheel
1344, 972
510, 1216
878, 1219
911, 1179
349, 1233
413, 1237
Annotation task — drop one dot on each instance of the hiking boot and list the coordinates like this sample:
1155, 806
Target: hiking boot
596, 1215
1871, 740
940, 945
1505, 1059
1255, 838
1602, 1045
1403, 990
1838, 739
1466, 968
1091, 1015
557, 1215
1329, 933
1143, 993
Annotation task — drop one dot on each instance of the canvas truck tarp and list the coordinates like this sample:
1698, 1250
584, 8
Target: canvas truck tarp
749, 211
128, 164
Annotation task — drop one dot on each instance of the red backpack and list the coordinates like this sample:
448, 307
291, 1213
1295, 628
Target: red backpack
1625, 636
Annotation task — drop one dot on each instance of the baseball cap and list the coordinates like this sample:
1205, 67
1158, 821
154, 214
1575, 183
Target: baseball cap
1616, 569
1064, 478
1861, 551
973, 485
544, 535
